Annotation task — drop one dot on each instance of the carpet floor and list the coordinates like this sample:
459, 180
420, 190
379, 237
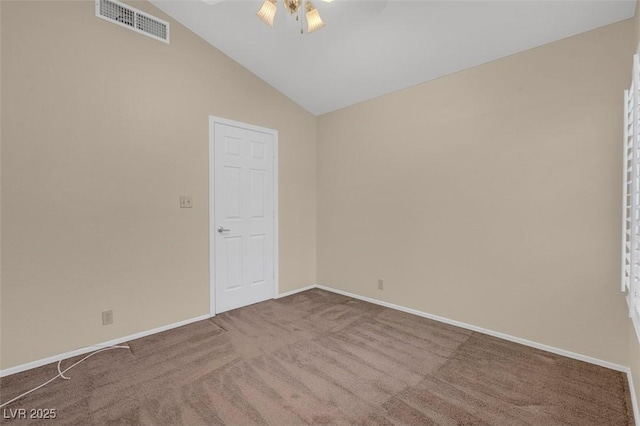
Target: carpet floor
321, 358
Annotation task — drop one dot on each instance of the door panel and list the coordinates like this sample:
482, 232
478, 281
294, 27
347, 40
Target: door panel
257, 194
232, 176
232, 272
257, 259
243, 199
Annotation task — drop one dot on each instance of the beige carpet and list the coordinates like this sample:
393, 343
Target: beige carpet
321, 358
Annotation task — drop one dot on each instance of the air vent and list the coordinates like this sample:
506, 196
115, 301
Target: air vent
132, 18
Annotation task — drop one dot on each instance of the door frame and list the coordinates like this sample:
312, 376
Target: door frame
213, 120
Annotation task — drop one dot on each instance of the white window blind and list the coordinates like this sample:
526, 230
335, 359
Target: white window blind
631, 196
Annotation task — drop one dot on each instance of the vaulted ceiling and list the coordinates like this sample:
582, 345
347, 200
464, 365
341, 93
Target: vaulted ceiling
374, 47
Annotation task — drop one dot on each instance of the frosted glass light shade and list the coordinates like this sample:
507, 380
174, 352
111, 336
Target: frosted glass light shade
267, 12
314, 22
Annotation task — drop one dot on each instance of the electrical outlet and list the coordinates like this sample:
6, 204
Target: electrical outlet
380, 284
186, 201
107, 317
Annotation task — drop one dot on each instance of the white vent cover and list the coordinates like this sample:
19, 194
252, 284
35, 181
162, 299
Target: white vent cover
132, 18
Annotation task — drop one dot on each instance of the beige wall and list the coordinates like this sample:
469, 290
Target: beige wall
491, 196
452, 191
102, 130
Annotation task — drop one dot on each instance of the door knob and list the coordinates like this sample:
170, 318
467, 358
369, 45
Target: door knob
222, 229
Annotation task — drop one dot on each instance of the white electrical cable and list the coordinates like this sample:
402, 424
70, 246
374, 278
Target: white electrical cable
61, 373
62, 376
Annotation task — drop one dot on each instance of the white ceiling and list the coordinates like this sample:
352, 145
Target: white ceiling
370, 48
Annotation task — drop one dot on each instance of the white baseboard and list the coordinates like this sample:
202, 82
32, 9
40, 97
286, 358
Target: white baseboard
634, 400
87, 349
541, 346
497, 334
297, 290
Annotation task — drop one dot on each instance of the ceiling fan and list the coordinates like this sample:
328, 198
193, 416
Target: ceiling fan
268, 10
304, 9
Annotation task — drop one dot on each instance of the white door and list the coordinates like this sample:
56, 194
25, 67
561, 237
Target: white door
243, 222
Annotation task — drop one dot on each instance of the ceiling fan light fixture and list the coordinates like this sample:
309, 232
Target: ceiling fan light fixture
292, 5
314, 22
267, 12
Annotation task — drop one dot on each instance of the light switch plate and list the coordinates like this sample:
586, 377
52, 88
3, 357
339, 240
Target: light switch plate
186, 201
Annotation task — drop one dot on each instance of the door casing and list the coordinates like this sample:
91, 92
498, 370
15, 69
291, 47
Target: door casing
213, 120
